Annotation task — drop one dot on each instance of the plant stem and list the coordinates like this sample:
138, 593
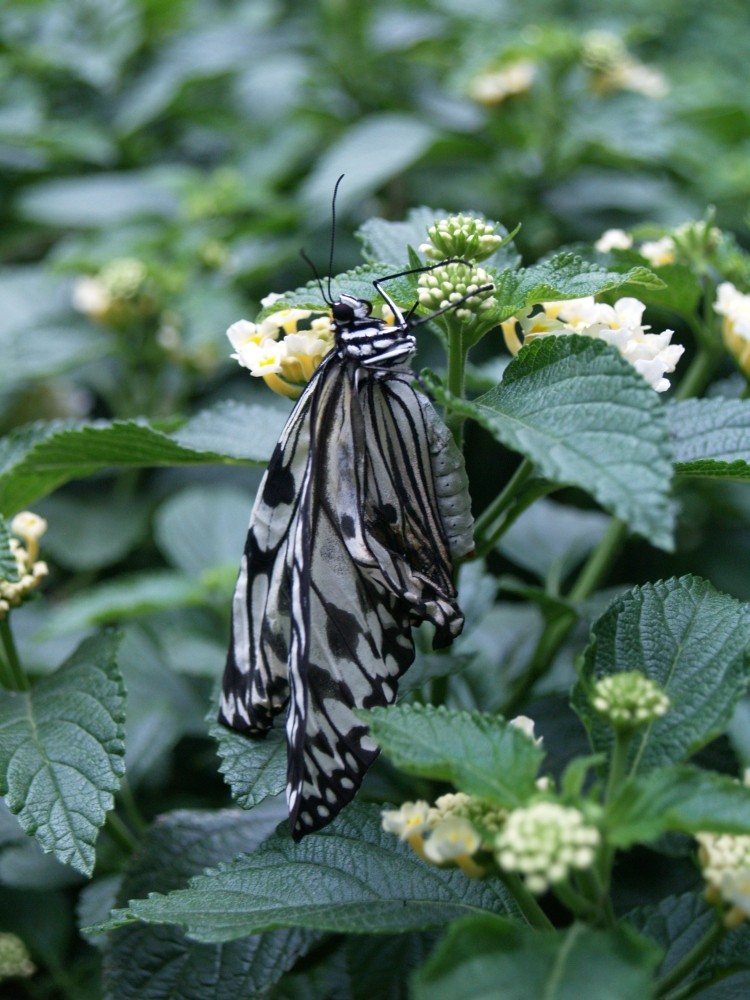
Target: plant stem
119, 833
12, 675
589, 578
618, 764
698, 375
693, 958
486, 529
527, 903
455, 378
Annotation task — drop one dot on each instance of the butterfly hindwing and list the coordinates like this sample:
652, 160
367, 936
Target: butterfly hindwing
371, 560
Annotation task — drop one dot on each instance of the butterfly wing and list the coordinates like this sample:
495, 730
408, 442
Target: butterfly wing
370, 559
255, 686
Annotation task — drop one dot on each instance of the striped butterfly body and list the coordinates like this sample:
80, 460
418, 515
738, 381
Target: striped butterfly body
352, 537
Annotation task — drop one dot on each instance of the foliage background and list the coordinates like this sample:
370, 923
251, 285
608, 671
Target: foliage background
202, 139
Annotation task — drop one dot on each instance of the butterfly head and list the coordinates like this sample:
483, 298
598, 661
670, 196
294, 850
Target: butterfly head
348, 310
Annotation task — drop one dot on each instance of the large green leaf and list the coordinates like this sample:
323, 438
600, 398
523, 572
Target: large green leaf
585, 418
350, 878
711, 437
564, 276
677, 800
61, 751
151, 963
379, 146
694, 642
37, 459
490, 958
480, 754
202, 527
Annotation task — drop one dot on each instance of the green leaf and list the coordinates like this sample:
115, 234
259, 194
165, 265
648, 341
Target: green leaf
8, 564
358, 282
489, 958
350, 878
202, 527
690, 639
550, 540
101, 199
130, 595
151, 963
711, 437
564, 276
245, 431
586, 418
254, 768
378, 147
37, 459
480, 754
384, 241
89, 532
163, 706
61, 751
677, 800
677, 923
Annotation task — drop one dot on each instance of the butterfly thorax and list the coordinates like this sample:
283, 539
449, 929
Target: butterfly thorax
367, 340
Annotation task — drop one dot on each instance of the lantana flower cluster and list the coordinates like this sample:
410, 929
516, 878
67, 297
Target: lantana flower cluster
496, 85
545, 843
629, 699
461, 236
30, 571
443, 287
725, 861
15, 962
119, 291
280, 349
734, 306
651, 354
614, 68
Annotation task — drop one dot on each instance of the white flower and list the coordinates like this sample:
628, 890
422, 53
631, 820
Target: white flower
652, 355
635, 76
735, 306
658, 252
613, 239
411, 820
91, 297
452, 838
526, 725
494, 87
544, 842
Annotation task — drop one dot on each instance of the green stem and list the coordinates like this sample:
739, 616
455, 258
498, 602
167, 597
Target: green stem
486, 529
455, 378
701, 950
589, 579
579, 905
618, 764
527, 903
119, 833
14, 679
699, 374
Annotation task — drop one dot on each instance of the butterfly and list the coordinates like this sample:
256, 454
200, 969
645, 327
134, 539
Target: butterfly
353, 535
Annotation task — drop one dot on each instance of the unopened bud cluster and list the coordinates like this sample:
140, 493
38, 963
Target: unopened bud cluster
629, 699
284, 349
30, 571
461, 236
447, 285
544, 843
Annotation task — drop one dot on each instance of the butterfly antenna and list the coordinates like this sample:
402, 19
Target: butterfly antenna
333, 234
326, 298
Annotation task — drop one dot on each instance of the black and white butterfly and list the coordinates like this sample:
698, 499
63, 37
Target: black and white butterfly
356, 524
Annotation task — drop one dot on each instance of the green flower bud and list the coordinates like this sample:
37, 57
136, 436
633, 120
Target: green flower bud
461, 236
629, 699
